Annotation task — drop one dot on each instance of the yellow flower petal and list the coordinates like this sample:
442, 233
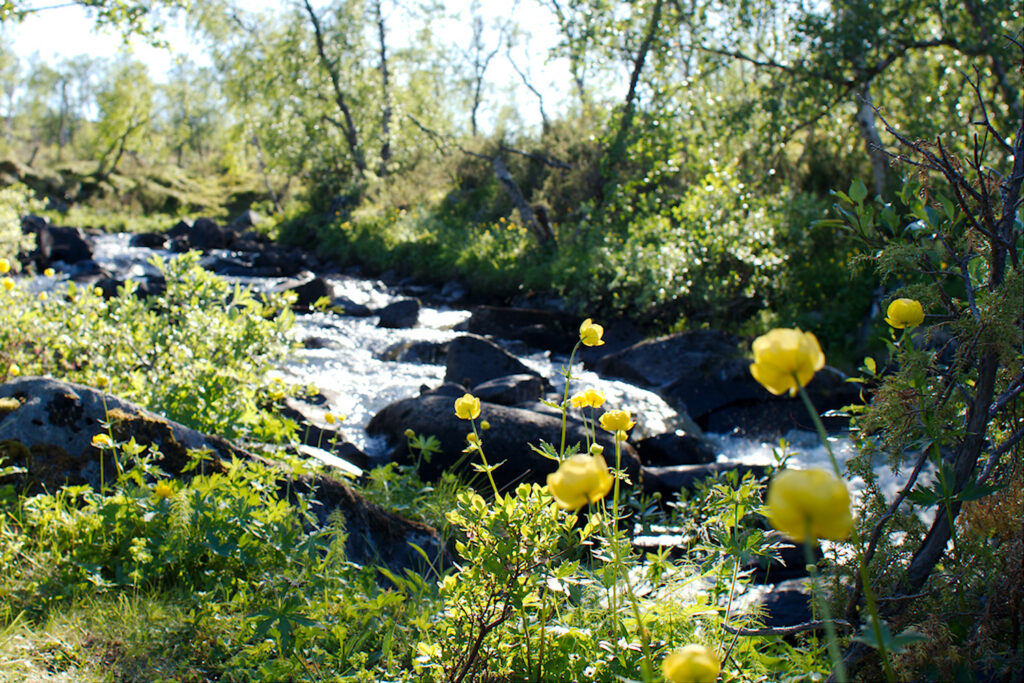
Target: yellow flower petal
467, 407
812, 500
617, 421
691, 664
904, 313
784, 357
579, 480
591, 333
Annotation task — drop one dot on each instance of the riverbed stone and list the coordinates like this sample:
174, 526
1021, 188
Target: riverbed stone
675, 448
508, 440
669, 481
551, 330
47, 426
473, 360
400, 314
510, 390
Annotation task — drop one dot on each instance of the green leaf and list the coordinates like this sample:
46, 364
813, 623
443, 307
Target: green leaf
858, 192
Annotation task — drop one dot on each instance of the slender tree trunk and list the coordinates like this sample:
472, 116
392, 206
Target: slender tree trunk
386, 112
872, 139
347, 126
629, 106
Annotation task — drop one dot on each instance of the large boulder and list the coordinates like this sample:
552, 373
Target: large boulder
56, 243
551, 330
706, 373
206, 234
47, 426
474, 360
508, 440
510, 390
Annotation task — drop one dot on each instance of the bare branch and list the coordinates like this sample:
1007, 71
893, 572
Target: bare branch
785, 630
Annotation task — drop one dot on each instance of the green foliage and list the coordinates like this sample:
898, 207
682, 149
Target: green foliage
197, 353
15, 202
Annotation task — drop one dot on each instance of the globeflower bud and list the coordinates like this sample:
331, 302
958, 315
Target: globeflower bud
590, 398
409, 433
102, 441
811, 501
5, 266
579, 480
904, 313
785, 359
691, 664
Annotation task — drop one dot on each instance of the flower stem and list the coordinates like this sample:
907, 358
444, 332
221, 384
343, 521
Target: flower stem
869, 593
565, 399
832, 642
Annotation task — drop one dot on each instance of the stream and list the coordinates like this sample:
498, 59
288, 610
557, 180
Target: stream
346, 364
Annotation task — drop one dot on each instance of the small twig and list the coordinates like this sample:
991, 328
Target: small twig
785, 630
993, 457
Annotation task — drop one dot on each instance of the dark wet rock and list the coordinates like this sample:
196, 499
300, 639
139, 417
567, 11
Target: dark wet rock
787, 604
181, 229
676, 448
311, 291
149, 240
226, 265
424, 352
400, 314
179, 245
315, 342
206, 234
351, 308
551, 330
474, 360
61, 243
452, 292
510, 390
707, 374
508, 441
662, 361
277, 257
48, 426
668, 481
775, 415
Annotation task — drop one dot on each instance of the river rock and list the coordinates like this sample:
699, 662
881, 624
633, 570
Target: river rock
707, 374
400, 314
56, 243
474, 360
551, 330
206, 234
406, 351
46, 427
669, 481
149, 240
311, 291
787, 604
675, 448
507, 441
510, 390
349, 307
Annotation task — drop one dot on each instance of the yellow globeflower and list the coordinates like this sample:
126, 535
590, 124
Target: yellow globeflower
691, 664
809, 500
8, 284
329, 418
591, 333
102, 441
5, 266
14, 370
590, 398
579, 480
163, 490
49, 272
467, 407
784, 357
97, 291
904, 313
617, 421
